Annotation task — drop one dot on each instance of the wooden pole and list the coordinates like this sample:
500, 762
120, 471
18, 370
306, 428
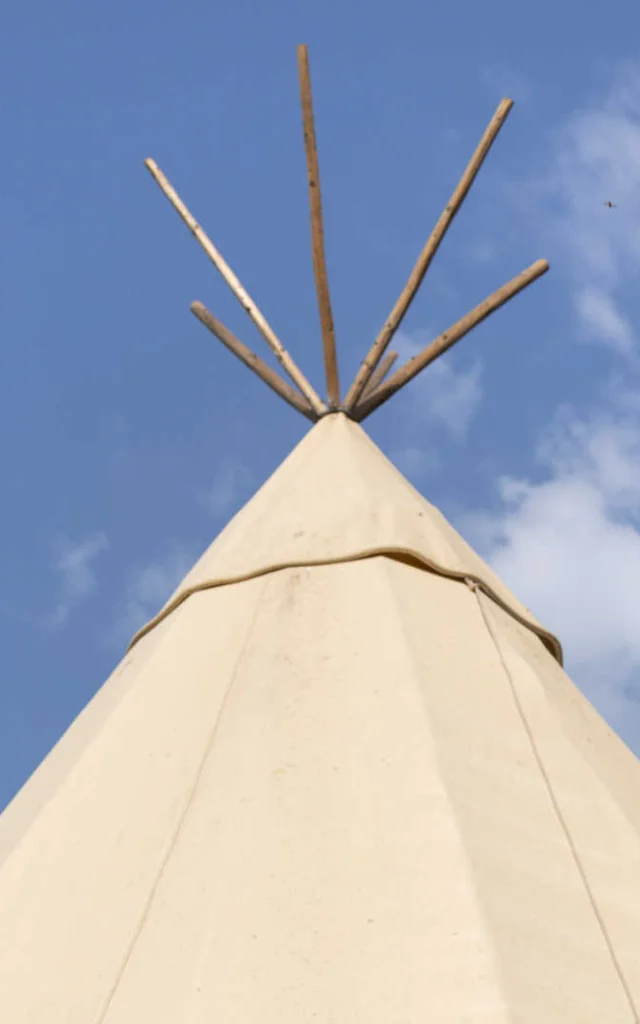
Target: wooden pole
424, 260
317, 233
241, 295
254, 362
444, 342
380, 372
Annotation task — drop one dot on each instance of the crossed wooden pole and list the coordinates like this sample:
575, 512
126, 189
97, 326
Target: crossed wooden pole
372, 386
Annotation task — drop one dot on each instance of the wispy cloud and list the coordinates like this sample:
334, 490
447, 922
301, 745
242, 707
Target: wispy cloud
601, 320
148, 588
482, 251
77, 578
441, 393
228, 488
415, 462
596, 160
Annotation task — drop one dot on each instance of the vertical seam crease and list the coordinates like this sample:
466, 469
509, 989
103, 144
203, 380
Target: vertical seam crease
477, 591
180, 822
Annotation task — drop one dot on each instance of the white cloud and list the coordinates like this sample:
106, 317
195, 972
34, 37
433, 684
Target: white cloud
73, 564
415, 462
596, 160
149, 587
602, 320
482, 251
229, 486
453, 397
569, 547
440, 393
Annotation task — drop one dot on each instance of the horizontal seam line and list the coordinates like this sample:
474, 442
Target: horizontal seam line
550, 641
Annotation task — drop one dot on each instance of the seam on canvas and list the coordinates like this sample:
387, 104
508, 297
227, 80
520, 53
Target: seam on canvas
455, 818
181, 818
551, 642
476, 590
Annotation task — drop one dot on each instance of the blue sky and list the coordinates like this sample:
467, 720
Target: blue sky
128, 436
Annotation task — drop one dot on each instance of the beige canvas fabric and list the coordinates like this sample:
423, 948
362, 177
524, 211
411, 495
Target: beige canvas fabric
353, 790
334, 499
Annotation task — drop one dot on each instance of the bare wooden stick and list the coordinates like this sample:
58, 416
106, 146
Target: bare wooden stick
426, 256
380, 372
241, 295
317, 233
254, 362
449, 337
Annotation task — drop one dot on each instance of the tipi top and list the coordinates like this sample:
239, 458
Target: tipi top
337, 498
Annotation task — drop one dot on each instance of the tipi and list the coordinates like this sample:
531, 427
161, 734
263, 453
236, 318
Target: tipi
341, 777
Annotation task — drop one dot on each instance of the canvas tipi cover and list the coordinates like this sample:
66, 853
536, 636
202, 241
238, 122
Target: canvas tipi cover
341, 777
